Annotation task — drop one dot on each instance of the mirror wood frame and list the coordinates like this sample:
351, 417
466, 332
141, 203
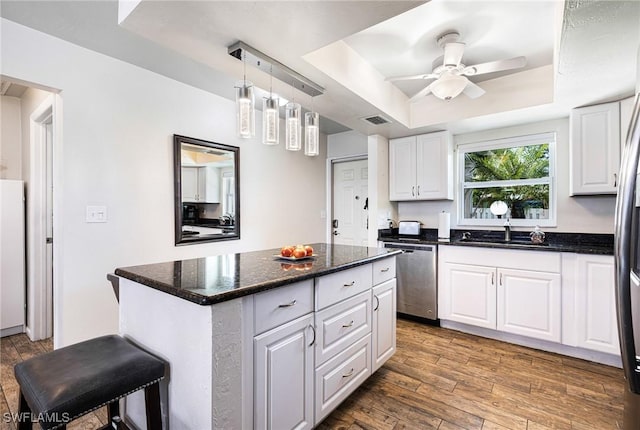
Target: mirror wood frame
180, 239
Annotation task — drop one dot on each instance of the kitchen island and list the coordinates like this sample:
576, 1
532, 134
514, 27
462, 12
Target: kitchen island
254, 341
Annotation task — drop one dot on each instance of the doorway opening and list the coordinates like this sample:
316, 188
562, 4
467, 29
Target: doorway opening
350, 201
40, 223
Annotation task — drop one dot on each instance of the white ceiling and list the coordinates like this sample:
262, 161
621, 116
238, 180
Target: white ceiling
349, 47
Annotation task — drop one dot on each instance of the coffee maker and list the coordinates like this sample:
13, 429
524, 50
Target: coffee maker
189, 213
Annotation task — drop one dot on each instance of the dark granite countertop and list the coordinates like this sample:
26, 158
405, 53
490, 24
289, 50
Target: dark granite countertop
219, 278
581, 243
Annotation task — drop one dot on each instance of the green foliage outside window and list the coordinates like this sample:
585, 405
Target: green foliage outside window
515, 165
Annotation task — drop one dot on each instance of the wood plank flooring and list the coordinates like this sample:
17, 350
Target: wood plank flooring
447, 380
438, 379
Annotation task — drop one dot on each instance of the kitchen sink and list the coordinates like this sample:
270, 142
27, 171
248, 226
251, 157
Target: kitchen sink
501, 241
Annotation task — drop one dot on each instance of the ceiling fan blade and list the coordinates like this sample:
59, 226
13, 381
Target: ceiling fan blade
495, 66
420, 94
453, 53
472, 90
410, 77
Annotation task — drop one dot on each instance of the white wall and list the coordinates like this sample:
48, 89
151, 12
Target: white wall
346, 144
116, 150
585, 214
10, 138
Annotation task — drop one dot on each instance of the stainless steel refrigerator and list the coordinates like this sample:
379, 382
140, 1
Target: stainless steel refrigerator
627, 260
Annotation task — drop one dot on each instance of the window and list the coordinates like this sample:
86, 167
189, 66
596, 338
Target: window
518, 171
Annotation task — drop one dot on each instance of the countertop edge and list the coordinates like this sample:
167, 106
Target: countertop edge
244, 291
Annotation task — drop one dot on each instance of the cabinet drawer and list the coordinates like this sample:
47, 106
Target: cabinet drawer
277, 306
340, 325
383, 270
340, 376
338, 286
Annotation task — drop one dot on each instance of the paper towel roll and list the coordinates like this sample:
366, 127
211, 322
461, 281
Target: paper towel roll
444, 227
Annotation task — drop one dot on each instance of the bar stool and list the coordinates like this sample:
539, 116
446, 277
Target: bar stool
62, 385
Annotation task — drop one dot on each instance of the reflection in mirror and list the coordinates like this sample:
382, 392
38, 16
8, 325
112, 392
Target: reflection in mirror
207, 199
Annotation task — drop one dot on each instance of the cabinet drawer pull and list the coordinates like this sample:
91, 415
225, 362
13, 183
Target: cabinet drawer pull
287, 305
386, 269
377, 302
350, 284
492, 275
615, 179
418, 189
349, 373
413, 191
314, 334
501, 279
347, 325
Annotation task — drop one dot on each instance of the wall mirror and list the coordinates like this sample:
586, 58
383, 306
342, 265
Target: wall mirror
207, 191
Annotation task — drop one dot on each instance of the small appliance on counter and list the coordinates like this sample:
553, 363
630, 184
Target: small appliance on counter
189, 213
410, 228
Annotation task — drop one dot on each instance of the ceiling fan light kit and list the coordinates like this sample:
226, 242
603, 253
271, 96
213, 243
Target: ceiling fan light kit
451, 76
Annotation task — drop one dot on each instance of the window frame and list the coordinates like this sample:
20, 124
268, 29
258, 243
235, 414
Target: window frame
509, 142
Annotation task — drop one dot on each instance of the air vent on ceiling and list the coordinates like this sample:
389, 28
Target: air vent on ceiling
376, 119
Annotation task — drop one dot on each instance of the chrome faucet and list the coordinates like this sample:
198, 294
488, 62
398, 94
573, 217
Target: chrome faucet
507, 230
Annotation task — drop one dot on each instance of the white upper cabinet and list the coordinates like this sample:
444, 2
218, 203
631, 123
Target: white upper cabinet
626, 110
402, 168
200, 184
421, 167
595, 149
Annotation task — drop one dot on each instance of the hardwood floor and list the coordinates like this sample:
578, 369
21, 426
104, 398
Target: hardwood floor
438, 379
447, 380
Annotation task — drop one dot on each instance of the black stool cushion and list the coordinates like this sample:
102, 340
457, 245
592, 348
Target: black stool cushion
81, 377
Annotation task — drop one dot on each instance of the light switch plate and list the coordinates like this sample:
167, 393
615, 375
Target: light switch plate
96, 214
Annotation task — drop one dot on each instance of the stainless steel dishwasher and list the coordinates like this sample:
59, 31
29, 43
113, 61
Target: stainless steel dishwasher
416, 277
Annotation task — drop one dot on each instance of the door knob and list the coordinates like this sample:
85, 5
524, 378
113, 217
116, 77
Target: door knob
335, 232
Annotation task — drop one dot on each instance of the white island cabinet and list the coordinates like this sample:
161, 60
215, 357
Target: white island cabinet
282, 357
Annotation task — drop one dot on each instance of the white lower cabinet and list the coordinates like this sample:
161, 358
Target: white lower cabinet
519, 297
316, 341
529, 303
340, 376
283, 376
595, 304
383, 332
468, 294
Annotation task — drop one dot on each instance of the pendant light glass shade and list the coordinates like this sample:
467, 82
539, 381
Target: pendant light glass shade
245, 110
293, 138
311, 134
270, 121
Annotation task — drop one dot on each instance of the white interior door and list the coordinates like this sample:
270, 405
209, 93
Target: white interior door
350, 202
48, 140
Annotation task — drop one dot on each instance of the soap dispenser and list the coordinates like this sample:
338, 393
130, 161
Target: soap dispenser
537, 235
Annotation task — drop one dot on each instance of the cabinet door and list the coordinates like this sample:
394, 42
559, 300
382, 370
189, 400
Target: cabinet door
383, 337
595, 304
626, 111
529, 303
209, 184
595, 149
189, 182
468, 294
402, 169
283, 377
434, 171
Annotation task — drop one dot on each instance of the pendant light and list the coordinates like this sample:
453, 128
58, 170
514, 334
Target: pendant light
270, 117
292, 113
245, 107
311, 132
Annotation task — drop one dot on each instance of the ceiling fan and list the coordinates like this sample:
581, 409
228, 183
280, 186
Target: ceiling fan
451, 77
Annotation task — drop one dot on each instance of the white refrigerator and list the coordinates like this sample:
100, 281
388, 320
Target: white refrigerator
12, 257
